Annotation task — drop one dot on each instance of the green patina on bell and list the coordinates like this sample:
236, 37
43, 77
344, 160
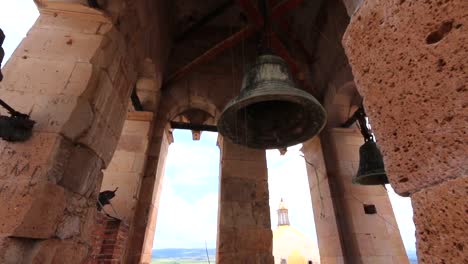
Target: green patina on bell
371, 165
270, 111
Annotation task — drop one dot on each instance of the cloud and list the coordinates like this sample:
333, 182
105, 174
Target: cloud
186, 223
188, 212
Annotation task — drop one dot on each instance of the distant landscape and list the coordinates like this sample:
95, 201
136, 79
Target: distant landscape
182, 256
198, 256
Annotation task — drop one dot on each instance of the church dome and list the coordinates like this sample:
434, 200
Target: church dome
290, 246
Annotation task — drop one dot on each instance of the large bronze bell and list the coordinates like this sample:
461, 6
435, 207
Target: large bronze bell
371, 165
270, 111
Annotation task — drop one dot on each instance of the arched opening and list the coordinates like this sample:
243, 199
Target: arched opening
292, 217
188, 207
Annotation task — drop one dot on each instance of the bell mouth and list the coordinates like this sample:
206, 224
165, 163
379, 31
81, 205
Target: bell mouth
372, 178
265, 118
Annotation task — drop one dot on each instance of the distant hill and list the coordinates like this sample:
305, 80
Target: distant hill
197, 254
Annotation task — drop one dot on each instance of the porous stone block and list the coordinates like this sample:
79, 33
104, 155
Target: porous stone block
409, 63
62, 22
244, 227
440, 216
30, 211
58, 45
81, 171
12, 250
56, 251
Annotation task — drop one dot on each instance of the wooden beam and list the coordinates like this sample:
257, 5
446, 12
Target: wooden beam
251, 12
257, 19
204, 20
195, 127
284, 7
212, 52
281, 50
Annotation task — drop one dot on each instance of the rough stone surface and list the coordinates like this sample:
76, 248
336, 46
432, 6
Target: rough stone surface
365, 238
324, 212
69, 227
409, 63
12, 250
440, 215
127, 165
57, 251
143, 228
49, 184
244, 228
30, 211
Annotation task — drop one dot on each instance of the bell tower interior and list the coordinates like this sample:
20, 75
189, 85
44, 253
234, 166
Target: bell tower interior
96, 88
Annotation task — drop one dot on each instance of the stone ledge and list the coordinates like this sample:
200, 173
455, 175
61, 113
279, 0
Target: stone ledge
140, 116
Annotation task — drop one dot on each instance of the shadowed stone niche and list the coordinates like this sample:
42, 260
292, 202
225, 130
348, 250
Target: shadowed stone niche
409, 63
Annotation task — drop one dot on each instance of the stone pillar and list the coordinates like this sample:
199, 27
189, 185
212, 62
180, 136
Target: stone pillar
325, 217
144, 225
64, 75
126, 168
244, 228
409, 63
366, 236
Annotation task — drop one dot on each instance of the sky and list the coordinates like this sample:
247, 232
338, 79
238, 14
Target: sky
191, 192
189, 200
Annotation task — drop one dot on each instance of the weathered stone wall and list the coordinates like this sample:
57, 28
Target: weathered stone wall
64, 74
244, 228
325, 217
365, 237
408, 59
126, 168
144, 224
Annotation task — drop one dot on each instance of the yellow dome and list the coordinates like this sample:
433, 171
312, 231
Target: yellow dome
291, 245
296, 258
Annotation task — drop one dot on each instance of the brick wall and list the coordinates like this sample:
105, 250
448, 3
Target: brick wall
110, 238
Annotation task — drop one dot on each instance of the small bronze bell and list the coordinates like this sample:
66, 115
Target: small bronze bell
371, 166
270, 111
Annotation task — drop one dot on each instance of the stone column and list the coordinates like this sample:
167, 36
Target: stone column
126, 168
144, 226
366, 236
244, 228
325, 216
64, 75
409, 63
